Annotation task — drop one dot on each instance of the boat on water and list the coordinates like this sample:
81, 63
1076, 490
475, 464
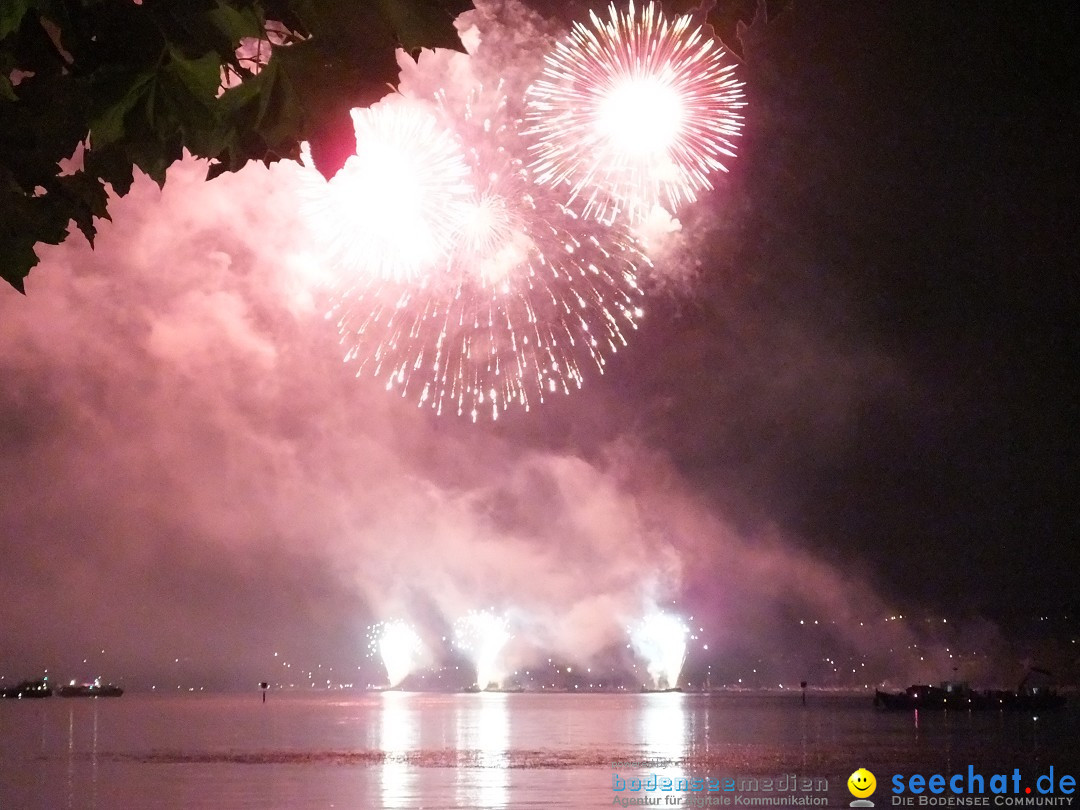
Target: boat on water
27, 689
95, 689
961, 697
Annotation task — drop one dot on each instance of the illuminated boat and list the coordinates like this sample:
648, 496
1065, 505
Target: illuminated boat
95, 689
27, 689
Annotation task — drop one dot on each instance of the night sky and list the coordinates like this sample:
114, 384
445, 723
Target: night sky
853, 394
906, 214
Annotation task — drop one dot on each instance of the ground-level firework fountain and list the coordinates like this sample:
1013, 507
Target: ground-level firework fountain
660, 639
482, 635
398, 646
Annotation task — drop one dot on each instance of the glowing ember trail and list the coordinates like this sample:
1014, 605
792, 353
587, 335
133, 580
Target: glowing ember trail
530, 299
483, 635
633, 112
399, 647
660, 639
393, 211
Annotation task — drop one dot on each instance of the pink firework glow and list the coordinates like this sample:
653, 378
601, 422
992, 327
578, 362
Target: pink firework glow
393, 210
530, 297
633, 112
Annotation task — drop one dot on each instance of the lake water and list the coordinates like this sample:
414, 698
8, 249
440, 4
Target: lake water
402, 750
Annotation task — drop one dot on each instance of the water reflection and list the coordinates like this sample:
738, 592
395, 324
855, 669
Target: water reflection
71, 758
94, 758
81, 765
663, 731
483, 734
441, 751
399, 733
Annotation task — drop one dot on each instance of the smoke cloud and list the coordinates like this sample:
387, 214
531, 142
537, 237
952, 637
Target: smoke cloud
193, 481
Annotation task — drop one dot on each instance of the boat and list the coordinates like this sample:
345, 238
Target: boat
27, 689
95, 689
961, 697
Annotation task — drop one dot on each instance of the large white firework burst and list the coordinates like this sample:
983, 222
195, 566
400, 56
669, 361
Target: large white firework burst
392, 212
633, 111
532, 296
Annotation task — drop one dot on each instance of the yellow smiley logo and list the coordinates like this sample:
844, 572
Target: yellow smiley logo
861, 783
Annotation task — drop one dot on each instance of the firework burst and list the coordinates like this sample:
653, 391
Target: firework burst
632, 112
530, 299
393, 211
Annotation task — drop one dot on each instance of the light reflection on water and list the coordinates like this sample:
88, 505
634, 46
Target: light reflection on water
399, 733
75, 754
664, 733
487, 750
70, 756
483, 732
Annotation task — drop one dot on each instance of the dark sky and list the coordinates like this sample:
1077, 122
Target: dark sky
929, 193
938, 223
863, 399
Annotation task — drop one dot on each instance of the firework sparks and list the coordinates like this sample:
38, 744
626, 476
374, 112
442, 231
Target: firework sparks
482, 634
661, 639
398, 645
393, 211
633, 112
532, 296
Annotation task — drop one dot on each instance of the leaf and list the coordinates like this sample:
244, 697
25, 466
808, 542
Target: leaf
236, 23
199, 78
18, 259
187, 94
306, 92
156, 113
240, 110
87, 200
423, 23
12, 13
33, 50
155, 156
116, 96
138, 83
113, 166
24, 222
39, 130
260, 120
326, 105
198, 27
